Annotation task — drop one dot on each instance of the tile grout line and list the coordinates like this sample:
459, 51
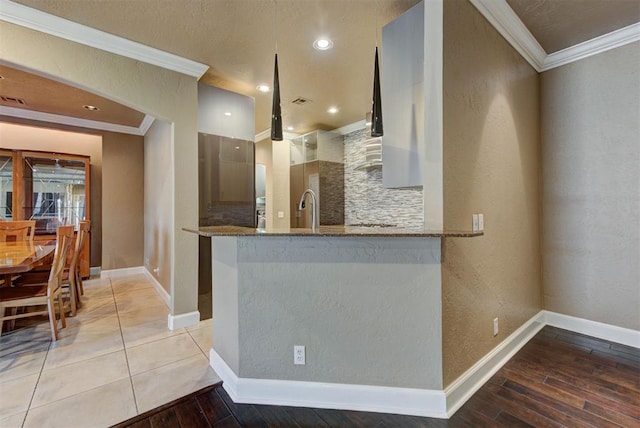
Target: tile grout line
33, 394
196, 342
126, 357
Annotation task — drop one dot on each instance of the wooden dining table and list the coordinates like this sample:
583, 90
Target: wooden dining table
22, 256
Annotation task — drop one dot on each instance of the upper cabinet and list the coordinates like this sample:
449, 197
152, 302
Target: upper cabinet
403, 95
225, 113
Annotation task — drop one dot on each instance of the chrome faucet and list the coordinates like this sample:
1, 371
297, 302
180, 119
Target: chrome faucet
315, 221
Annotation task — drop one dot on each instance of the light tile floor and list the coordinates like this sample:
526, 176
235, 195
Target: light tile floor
115, 360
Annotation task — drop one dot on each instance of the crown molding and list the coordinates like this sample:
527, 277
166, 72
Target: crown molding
505, 20
145, 124
347, 129
77, 122
594, 46
46, 23
264, 134
355, 126
267, 134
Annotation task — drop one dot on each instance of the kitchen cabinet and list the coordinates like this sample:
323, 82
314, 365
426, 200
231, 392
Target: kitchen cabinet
403, 99
317, 163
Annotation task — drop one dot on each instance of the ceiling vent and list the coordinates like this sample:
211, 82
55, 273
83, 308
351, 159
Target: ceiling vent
13, 100
301, 101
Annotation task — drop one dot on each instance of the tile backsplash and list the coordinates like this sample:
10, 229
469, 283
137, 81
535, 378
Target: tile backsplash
366, 200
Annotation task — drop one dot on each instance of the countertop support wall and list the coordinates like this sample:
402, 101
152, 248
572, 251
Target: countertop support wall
367, 309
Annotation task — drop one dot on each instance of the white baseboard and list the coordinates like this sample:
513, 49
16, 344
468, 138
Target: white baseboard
381, 399
472, 380
183, 320
166, 297
95, 271
612, 333
407, 401
117, 273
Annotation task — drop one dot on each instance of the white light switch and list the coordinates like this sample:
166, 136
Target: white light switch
480, 222
475, 223
280, 214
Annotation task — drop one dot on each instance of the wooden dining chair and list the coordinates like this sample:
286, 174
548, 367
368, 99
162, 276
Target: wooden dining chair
83, 232
71, 277
44, 294
18, 230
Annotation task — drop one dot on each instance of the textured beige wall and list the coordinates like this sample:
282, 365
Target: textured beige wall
491, 166
591, 182
122, 200
159, 92
275, 155
158, 200
281, 180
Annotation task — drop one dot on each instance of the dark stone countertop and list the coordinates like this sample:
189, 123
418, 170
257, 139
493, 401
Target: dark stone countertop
345, 231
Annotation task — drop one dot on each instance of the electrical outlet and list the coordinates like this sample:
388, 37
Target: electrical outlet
298, 355
495, 326
480, 222
475, 223
280, 214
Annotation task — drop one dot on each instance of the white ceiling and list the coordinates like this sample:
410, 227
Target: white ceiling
236, 39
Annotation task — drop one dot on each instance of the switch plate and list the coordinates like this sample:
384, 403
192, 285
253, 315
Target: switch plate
298, 355
480, 222
475, 223
495, 326
280, 214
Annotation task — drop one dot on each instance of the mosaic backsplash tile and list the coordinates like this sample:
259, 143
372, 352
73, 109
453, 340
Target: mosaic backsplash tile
366, 200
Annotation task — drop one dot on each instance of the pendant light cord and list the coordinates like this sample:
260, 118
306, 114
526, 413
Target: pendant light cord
376, 29
275, 24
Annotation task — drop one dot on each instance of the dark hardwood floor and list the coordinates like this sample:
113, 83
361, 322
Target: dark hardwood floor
558, 379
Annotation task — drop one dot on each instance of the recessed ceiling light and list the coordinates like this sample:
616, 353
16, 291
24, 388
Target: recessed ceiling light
332, 110
227, 113
91, 108
290, 128
263, 88
322, 44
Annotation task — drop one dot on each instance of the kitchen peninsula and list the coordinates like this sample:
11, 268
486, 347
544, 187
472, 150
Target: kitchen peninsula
365, 302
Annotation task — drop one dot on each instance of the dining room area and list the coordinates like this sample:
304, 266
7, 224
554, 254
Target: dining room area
85, 340
85, 352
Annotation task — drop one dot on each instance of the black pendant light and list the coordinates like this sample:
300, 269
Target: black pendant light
276, 114
376, 110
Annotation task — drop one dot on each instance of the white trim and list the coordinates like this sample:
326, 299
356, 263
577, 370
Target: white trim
95, 271
118, 273
505, 20
146, 124
267, 134
347, 129
262, 135
472, 380
612, 333
189, 319
46, 23
407, 401
164, 295
594, 46
382, 399
74, 121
